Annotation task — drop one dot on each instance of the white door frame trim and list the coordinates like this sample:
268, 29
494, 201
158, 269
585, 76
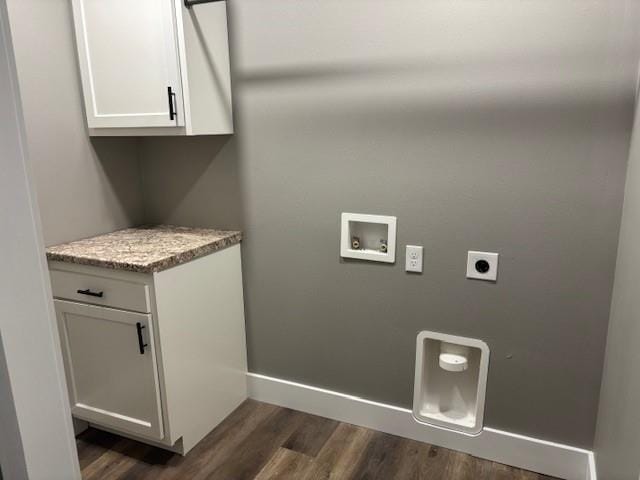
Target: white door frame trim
32, 376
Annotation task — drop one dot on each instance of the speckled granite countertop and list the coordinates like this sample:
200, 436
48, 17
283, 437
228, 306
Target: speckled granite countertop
144, 249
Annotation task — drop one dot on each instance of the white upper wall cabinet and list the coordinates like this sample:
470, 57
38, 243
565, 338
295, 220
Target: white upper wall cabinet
154, 67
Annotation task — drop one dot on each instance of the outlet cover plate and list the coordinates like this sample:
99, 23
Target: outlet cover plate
413, 258
492, 260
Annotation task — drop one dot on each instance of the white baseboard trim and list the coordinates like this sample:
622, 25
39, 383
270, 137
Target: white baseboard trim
540, 456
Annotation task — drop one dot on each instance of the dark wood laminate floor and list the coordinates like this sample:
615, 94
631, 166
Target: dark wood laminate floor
260, 441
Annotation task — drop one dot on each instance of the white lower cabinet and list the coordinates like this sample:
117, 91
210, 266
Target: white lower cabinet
166, 375
111, 367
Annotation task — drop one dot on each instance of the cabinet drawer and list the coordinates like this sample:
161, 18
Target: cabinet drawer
99, 290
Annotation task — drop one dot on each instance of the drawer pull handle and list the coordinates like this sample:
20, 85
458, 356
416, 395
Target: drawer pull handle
141, 343
90, 293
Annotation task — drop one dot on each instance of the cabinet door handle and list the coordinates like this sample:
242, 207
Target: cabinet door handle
172, 101
141, 343
90, 293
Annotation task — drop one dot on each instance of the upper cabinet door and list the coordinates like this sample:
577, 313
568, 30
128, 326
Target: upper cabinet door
129, 63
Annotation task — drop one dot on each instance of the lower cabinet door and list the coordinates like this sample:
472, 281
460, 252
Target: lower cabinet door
111, 368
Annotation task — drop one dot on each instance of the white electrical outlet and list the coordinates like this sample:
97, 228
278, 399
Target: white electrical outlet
482, 266
413, 259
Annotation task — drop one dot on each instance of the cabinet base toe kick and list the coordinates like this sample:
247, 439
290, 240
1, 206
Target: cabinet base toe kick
176, 447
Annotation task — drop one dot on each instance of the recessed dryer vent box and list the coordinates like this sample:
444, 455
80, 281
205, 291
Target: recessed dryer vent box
368, 237
450, 381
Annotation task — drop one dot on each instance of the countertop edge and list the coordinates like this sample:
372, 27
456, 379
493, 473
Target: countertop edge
154, 267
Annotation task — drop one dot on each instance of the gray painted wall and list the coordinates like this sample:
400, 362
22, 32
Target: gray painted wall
618, 432
498, 126
85, 187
